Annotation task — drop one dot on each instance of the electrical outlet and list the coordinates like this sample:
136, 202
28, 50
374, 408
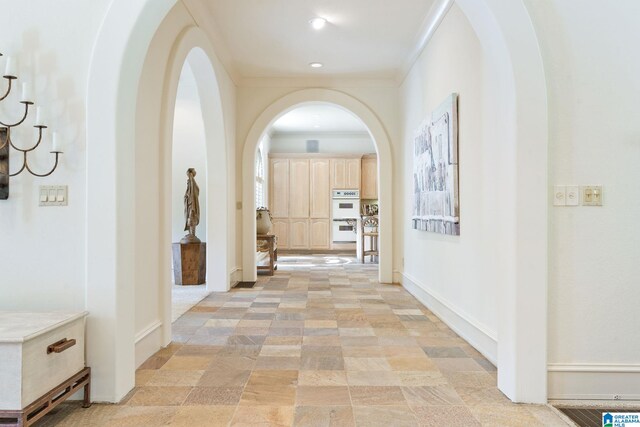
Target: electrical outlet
591, 195
559, 195
573, 195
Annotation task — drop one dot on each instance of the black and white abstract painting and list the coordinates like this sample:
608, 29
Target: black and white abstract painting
435, 171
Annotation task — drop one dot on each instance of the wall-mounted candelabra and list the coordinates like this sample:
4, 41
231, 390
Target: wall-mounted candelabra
6, 143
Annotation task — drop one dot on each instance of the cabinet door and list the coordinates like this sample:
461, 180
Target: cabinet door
281, 229
299, 234
338, 174
279, 188
320, 234
299, 188
369, 178
352, 167
320, 191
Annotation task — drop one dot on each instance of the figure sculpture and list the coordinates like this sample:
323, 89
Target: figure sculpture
191, 208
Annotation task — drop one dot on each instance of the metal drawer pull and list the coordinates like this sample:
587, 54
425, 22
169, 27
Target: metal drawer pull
60, 346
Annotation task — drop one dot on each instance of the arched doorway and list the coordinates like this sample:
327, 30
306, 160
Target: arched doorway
385, 170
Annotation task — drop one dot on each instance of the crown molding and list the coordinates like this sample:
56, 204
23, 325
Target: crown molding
429, 26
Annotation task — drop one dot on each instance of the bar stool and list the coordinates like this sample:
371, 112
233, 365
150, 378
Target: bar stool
369, 233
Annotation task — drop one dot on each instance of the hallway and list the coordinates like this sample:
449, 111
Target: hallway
320, 343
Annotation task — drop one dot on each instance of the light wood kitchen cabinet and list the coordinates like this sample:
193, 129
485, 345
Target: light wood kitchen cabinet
352, 173
299, 234
369, 183
320, 188
281, 229
299, 188
345, 174
320, 234
279, 188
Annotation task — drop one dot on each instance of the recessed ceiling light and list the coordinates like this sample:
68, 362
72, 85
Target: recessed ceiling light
316, 64
318, 23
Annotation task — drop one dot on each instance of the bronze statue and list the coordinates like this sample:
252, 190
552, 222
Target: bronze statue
191, 208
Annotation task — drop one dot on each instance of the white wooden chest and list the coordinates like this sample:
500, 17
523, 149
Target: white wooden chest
37, 353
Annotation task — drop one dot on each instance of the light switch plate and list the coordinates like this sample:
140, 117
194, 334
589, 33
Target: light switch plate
573, 195
591, 195
559, 195
53, 195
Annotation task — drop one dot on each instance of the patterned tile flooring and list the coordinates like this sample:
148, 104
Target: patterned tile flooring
321, 343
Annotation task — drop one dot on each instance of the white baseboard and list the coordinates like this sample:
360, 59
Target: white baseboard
235, 276
397, 276
148, 341
479, 336
595, 381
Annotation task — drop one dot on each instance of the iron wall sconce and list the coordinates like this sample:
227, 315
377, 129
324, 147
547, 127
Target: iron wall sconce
6, 144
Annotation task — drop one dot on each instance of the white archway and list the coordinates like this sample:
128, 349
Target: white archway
385, 171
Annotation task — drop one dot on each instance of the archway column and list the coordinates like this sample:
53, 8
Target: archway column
385, 171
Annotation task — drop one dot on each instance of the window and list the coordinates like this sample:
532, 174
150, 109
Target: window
260, 202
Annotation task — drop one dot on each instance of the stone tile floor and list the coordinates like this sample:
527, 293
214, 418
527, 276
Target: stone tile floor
321, 343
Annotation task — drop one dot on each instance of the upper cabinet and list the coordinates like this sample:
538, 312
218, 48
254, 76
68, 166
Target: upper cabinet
320, 188
369, 189
345, 174
279, 188
299, 188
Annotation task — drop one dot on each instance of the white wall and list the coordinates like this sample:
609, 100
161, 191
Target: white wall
457, 274
592, 66
188, 151
328, 143
43, 266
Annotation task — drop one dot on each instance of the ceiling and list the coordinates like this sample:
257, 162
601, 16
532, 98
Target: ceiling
273, 38
318, 118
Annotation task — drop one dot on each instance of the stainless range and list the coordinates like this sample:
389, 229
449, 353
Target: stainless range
345, 213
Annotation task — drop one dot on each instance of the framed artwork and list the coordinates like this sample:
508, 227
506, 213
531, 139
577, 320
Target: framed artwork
435, 171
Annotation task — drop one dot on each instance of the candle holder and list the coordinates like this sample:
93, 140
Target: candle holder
6, 144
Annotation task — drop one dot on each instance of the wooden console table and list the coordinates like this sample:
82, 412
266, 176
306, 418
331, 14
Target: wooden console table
268, 243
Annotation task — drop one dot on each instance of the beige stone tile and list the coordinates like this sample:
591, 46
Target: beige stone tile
232, 363
322, 378
546, 415
373, 378
450, 416
423, 363
330, 416
159, 396
421, 378
482, 396
376, 395
281, 350
384, 416
164, 377
356, 332
222, 323
403, 351
323, 396
320, 324
224, 378
283, 340
224, 396
457, 364
366, 364
473, 379
321, 341
278, 363
136, 416
263, 416
206, 416
254, 324
366, 351
504, 415
262, 395
187, 363
273, 377
144, 375
431, 395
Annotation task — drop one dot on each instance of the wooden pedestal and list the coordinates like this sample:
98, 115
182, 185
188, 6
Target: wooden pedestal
189, 263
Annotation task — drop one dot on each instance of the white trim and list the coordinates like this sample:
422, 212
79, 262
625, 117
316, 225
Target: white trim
429, 26
397, 277
472, 331
235, 276
147, 342
594, 367
594, 381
